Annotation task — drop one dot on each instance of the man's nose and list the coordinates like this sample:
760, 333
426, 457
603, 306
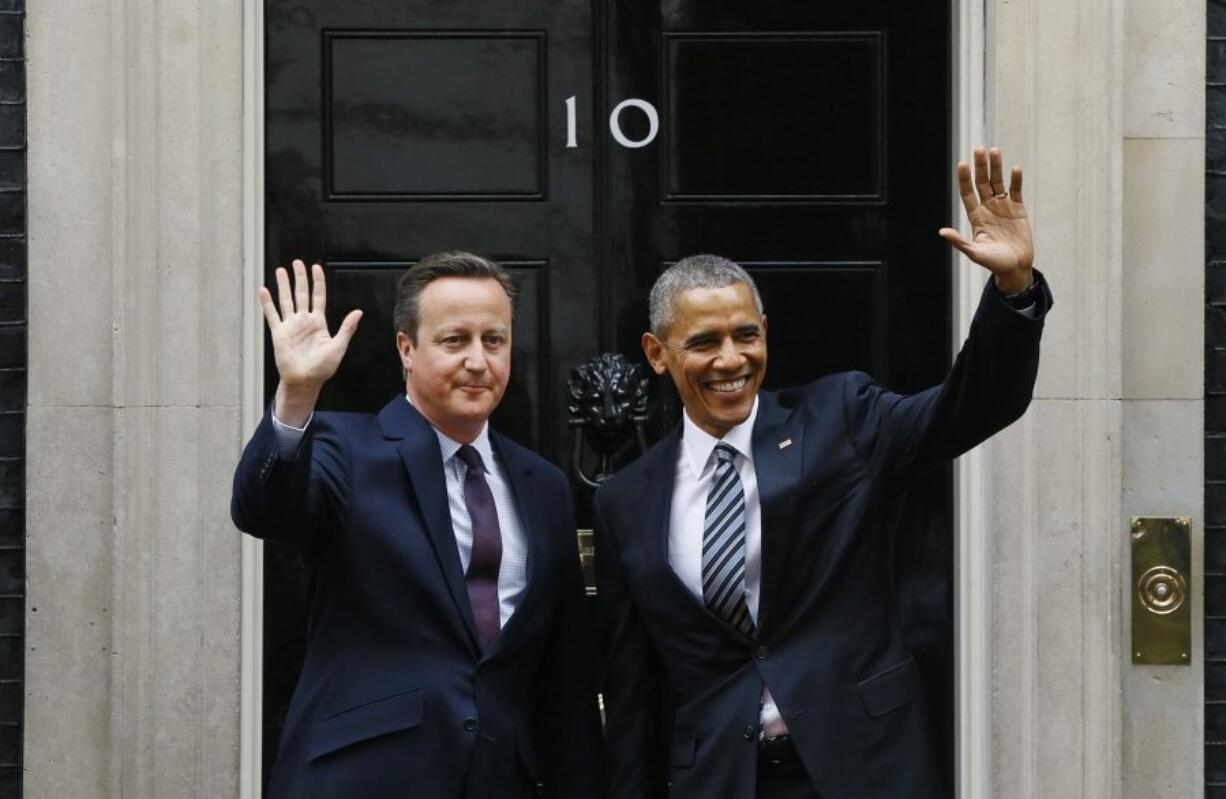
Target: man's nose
729, 356
474, 358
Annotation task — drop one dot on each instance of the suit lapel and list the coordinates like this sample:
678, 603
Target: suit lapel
778, 441
527, 489
656, 494
423, 460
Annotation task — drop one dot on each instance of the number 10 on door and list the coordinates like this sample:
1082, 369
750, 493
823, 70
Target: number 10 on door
615, 128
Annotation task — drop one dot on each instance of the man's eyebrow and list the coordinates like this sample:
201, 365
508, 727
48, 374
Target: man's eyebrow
443, 332
701, 337
705, 336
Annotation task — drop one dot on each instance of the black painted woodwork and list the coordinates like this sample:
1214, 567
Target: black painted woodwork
809, 142
13, 362
718, 111
401, 111
1215, 402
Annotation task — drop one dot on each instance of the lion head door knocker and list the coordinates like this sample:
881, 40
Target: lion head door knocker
608, 409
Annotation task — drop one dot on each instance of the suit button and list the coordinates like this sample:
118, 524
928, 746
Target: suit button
470, 724
750, 732
760, 653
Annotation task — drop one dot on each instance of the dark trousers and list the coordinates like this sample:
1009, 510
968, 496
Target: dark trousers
782, 776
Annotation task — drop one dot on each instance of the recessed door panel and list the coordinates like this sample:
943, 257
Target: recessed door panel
433, 115
812, 101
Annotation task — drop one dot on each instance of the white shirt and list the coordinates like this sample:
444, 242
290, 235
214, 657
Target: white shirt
513, 570
695, 470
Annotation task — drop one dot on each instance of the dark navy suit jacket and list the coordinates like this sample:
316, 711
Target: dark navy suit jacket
683, 688
395, 699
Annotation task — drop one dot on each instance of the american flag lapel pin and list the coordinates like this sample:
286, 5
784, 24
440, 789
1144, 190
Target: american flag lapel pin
785, 443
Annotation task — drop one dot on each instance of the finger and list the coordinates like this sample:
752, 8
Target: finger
348, 327
966, 189
270, 310
981, 175
319, 294
996, 173
302, 289
284, 295
955, 238
1015, 185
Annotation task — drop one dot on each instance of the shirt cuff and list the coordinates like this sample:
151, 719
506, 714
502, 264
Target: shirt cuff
289, 438
1025, 302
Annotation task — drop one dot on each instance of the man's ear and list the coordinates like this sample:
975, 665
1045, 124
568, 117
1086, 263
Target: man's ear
404, 346
653, 348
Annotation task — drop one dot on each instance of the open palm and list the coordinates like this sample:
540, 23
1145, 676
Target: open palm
306, 354
1000, 230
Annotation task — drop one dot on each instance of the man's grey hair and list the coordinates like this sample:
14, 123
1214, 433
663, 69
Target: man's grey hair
694, 272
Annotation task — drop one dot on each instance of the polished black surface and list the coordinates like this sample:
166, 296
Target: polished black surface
808, 141
813, 102
434, 115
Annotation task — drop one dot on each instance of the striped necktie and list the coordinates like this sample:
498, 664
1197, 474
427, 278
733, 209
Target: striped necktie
723, 544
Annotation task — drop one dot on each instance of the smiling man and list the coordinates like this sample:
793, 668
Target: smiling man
752, 642
445, 653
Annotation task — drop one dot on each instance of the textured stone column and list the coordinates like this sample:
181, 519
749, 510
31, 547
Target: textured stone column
1162, 382
135, 132
1102, 100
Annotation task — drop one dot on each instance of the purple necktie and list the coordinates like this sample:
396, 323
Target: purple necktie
482, 577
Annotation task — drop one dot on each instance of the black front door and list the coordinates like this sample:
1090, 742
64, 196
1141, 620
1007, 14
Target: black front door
586, 144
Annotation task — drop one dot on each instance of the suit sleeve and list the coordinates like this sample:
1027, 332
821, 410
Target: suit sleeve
571, 758
988, 388
636, 696
291, 501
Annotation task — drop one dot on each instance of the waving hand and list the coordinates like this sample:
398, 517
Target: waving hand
306, 354
1000, 230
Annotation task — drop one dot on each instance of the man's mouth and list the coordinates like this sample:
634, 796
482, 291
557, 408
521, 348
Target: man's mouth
728, 386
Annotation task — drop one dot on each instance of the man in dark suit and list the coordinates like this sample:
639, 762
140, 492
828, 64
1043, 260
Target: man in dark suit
752, 643
445, 653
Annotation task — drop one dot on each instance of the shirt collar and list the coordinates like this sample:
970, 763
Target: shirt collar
697, 444
450, 446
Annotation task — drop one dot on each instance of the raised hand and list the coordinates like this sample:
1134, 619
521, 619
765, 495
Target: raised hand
306, 354
1000, 231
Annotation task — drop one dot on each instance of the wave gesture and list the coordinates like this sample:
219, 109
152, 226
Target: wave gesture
1000, 231
306, 354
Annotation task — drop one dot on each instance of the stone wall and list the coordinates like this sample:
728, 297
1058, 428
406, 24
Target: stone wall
136, 308
1104, 101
